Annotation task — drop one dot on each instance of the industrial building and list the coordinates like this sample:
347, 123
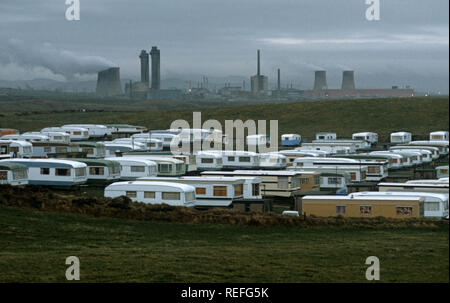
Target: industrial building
259, 83
108, 83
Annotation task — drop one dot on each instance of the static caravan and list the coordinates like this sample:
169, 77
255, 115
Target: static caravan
335, 181
167, 139
372, 161
278, 183
51, 149
146, 144
8, 131
412, 156
272, 161
37, 137
372, 138
101, 171
124, 130
76, 133
209, 191
252, 185
95, 131
329, 147
442, 145
237, 159
397, 161
13, 173
291, 155
439, 136
363, 207
435, 205
113, 149
434, 150
352, 144
19, 149
209, 161
258, 140
58, 137
375, 170
401, 137
153, 192
416, 187
442, 171
92, 149
429, 181
166, 166
291, 140
357, 173
426, 156
54, 171
133, 168
326, 136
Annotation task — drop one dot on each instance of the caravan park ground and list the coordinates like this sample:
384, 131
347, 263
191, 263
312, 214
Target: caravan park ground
34, 245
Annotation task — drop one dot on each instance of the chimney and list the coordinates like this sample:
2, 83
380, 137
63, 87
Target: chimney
108, 82
144, 68
348, 79
320, 81
259, 70
279, 80
156, 68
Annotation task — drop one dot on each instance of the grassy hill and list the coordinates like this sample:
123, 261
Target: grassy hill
418, 115
34, 246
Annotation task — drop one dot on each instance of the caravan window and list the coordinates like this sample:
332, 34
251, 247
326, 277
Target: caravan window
207, 160
77, 133
61, 150
365, 209
164, 168
179, 167
131, 194
304, 180
334, 180
45, 171
4, 150
230, 159
137, 169
404, 210
98, 171
341, 209
200, 191
283, 182
149, 195
171, 196
89, 151
353, 176
47, 149
62, 172
238, 189
3, 175
431, 206
80, 172
190, 196
373, 169
20, 174
244, 159
220, 191
316, 179
255, 190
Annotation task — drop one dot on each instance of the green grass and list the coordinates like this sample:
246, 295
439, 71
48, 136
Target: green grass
418, 115
35, 244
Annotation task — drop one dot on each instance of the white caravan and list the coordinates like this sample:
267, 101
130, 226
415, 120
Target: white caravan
153, 192
401, 137
439, 136
13, 173
133, 168
370, 137
19, 149
76, 133
95, 130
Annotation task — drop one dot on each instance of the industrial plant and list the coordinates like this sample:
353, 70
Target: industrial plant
149, 87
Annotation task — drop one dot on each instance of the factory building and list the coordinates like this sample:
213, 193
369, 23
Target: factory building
108, 83
259, 83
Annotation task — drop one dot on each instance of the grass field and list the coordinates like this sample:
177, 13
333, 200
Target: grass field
418, 115
35, 244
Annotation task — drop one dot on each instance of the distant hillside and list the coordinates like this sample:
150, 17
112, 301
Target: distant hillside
418, 115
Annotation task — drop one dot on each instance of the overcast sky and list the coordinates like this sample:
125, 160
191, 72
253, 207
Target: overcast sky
408, 46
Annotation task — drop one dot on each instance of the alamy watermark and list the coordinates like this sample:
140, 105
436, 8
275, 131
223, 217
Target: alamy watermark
373, 271
73, 271
211, 136
373, 11
73, 10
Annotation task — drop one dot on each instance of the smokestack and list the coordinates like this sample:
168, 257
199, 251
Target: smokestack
348, 79
108, 82
156, 68
259, 69
279, 80
144, 68
320, 81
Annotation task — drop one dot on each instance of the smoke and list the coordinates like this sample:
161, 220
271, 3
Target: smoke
46, 56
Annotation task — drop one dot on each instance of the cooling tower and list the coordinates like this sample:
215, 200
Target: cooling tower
144, 67
156, 68
348, 79
320, 80
108, 82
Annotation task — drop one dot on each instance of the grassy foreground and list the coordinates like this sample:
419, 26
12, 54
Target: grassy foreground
34, 246
417, 115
